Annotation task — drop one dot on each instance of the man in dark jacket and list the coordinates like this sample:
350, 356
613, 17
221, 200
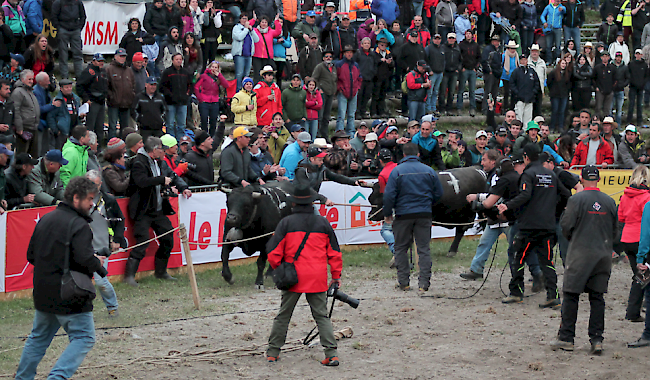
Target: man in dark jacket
69, 17
64, 231
470, 53
639, 20
16, 192
524, 86
310, 56
92, 86
539, 193
604, 78
385, 67
325, 76
175, 85
368, 62
173, 12
418, 83
149, 110
263, 8
641, 73
492, 69
340, 36
200, 155
121, 93
6, 109
235, 161
573, 20
450, 78
621, 80
155, 20
436, 60
411, 190
149, 208
589, 222
510, 9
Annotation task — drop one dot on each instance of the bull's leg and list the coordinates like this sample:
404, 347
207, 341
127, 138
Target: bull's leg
261, 263
453, 250
225, 269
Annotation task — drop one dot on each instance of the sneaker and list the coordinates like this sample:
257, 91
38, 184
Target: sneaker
552, 303
405, 288
471, 275
512, 299
639, 343
472, 112
272, 359
331, 361
421, 291
596, 348
562, 345
112, 314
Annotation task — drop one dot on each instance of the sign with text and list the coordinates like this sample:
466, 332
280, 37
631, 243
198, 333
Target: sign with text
612, 181
106, 24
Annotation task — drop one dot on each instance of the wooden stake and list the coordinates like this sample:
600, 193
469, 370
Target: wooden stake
190, 266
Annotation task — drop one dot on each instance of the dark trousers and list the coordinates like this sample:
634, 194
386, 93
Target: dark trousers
210, 51
570, 314
405, 230
507, 99
635, 97
491, 87
160, 224
325, 114
537, 104
635, 300
581, 98
379, 91
30, 146
280, 71
146, 133
447, 86
95, 119
483, 29
258, 64
636, 38
209, 116
524, 244
365, 94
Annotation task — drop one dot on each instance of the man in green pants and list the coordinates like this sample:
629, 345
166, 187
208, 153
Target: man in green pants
308, 241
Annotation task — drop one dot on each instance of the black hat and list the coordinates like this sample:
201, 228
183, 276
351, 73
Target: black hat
339, 135
200, 137
413, 33
421, 62
302, 193
517, 158
314, 151
590, 173
545, 157
385, 155
348, 48
25, 159
501, 131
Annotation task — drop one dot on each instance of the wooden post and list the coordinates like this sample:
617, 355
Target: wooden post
190, 266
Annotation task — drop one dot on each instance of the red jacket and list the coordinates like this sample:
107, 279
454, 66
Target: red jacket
348, 78
207, 87
603, 154
385, 173
314, 104
630, 210
178, 169
475, 7
261, 50
424, 37
266, 108
321, 249
432, 3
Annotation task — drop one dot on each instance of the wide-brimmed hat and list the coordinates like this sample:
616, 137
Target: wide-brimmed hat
371, 137
348, 48
512, 45
267, 69
302, 193
340, 135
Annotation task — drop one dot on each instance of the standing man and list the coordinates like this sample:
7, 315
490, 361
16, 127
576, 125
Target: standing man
418, 83
6, 109
269, 97
604, 78
27, 115
385, 68
176, 85
536, 63
348, 84
46, 105
524, 85
121, 93
621, 80
149, 110
589, 222
492, 69
453, 64
92, 86
326, 77
573, 21
367, 61
65, 227
640, 71
411, 190
470, 54
69, 17
593, 150
436, 60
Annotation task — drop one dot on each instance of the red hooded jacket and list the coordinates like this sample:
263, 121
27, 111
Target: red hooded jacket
630, 210
265, 107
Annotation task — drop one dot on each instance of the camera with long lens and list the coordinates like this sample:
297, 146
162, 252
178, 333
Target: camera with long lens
334, 292
190, 165
373, 166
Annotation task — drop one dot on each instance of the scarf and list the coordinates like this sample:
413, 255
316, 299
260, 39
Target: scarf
263, 30
573, 52
506, 61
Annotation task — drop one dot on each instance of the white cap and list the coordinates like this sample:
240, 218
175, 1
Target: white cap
451, 35
631, 128
538, 119
638, 51
481, 133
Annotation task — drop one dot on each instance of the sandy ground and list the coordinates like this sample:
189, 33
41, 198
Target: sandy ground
397, 335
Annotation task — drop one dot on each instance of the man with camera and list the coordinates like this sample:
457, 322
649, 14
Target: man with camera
149, 208
199, 158
300, 230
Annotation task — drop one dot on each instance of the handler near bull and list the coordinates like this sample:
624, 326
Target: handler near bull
589, 222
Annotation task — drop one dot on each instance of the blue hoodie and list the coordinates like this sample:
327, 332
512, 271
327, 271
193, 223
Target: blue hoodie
386, 9
553, 16
412, 189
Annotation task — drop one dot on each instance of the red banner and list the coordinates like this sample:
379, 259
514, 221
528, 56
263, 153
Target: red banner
20, 226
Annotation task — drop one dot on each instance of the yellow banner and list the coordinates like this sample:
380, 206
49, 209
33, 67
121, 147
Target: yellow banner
612, 181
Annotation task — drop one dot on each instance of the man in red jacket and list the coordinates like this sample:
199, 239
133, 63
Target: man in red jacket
593, 150
348, 83
313, 233
268, 97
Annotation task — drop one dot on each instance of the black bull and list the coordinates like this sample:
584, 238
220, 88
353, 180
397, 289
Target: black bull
453, 208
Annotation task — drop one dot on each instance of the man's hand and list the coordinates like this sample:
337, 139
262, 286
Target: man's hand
4, 204
250, 107
261, 181
453, 145
583, 136
174, 190
502, 208
187, 193
275, 135
564, 164
29, 198
367, 162
267, 169
167, 181
402, 140
4, 127
354, 165
604, 165
338, 281
57, 102
360, 183
244, 183
114, 246
102, 259
329, 203
305, 37
471, 197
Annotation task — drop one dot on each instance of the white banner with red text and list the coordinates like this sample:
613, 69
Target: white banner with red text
106, 24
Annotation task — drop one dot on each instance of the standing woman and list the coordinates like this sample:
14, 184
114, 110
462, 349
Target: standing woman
590, 53
264, 46
207, 92
197, 18
278, 136
244, 105
186, 16
133, 40
211, 24
582, 78
40, 56
630, 210
192, 55
559, 86
280, 46
314, 104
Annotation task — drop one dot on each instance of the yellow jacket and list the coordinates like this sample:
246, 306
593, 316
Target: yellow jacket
625, 14
238, 106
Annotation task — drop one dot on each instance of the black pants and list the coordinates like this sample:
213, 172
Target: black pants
570, 314
581, 98
635, 300
280, 72
378, 104
524, 244
635, 98
146, 133
448, 87
95, 119
507, 99
258, 65
210, 51
491, 87
160, 224
365, 94
325, 114
537, 104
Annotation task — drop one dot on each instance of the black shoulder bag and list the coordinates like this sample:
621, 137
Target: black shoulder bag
285, 275
74, 285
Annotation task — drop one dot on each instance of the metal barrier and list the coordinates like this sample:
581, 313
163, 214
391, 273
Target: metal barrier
599, 166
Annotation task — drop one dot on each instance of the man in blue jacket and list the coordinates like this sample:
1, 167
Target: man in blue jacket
46, 105
552, 21
33, 11
386, 9
411, 191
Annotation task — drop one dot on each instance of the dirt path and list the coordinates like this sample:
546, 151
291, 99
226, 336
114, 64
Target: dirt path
396, 336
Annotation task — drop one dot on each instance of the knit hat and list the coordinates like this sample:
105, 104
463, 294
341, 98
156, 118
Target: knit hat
132, 139
246, 80
115, 145
200, 137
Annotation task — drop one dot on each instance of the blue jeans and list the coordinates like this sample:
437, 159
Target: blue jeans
432, 96
572, 34
531, 260
386, 233
115, 114
176, 115
416, 110
594, 3
489, 237
242, 68
553, 39
346, 107
106, 289
209, 117
417, 6
468, 76
81, 333
311, 126
617, 105
558, 107
151, 63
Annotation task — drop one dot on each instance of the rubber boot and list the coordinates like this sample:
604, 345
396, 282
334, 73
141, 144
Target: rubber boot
160, 269
130, 270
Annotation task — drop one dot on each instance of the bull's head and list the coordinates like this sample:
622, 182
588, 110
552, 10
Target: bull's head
241, 204
376, 199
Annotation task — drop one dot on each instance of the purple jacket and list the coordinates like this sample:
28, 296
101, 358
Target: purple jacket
366, 31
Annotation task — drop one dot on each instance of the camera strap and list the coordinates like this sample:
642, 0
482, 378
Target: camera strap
304, 239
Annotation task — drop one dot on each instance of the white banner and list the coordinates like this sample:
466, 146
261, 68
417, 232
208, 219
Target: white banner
3, 249
106, 24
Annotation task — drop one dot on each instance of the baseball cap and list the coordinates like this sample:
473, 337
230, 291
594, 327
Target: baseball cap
241, 131
413, 33
429, 118
4, 150
422, 62
120, 51
412, 123
502, 131
313, 35
311, 14
138, 57
314, 151
496, 37
438, 133
451, 35
362, 124
25, 158
152, 80
392, 128
19, 58
304, 137
539, 119
375, 123
604, 52
608, 120
638, 51
631, 128
517, 158
98, 57
437, 35
619, 53
481, 133
55, 155
385, 155
297, 127
545, 157
345, 16
591, 173
185, 140
532, 125
168, 141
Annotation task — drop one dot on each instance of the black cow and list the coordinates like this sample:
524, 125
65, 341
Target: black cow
253, 211
453, 207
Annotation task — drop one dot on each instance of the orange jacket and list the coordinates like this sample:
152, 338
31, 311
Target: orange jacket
358, 5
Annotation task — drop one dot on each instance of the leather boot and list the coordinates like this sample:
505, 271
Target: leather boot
160, 272
130, 270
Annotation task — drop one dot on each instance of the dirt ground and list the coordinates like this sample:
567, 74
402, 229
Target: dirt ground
397, 335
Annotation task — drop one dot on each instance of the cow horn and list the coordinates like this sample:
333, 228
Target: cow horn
256, 194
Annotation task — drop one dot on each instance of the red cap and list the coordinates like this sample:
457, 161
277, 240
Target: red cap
137, 57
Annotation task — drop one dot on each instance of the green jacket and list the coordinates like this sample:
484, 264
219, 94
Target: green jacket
304, 28
276, 146
46, 191
451, 160
77, 156
293, 104
514, 35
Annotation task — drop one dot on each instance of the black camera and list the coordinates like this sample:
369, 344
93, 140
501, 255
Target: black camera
190, 165
334, 291
373, 166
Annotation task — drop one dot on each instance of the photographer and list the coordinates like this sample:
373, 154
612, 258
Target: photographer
149, 209
201, 167
300, 230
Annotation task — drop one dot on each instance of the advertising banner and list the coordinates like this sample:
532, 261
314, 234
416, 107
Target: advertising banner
106, 24
612, 181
